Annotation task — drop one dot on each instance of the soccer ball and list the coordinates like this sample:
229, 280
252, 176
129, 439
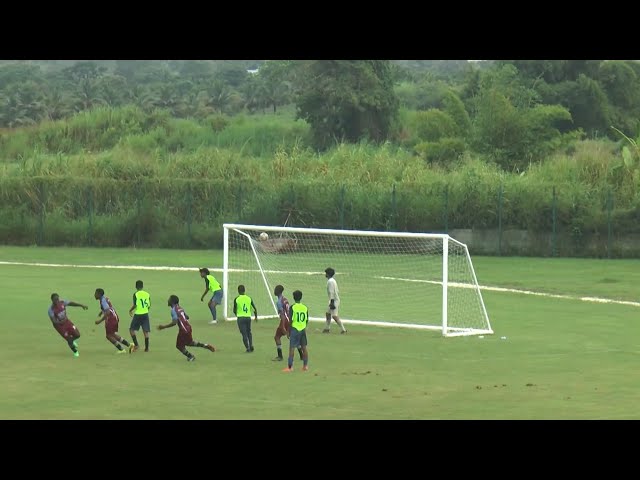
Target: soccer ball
264, 236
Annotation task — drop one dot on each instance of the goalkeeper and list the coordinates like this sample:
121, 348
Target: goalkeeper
334, 302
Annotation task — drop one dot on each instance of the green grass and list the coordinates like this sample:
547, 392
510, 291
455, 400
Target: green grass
562, 359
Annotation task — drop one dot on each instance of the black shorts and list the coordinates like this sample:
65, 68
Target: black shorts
141, 320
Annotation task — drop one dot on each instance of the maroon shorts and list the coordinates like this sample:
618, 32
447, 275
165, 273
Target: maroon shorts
66, 329
184, 339
111, 325
281, 331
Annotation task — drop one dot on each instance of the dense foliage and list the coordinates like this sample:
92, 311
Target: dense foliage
415, 145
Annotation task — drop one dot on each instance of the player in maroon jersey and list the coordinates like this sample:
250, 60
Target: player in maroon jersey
282, 304
110, 318
62, 324
185, 338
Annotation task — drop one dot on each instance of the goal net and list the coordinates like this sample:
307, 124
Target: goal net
412, 280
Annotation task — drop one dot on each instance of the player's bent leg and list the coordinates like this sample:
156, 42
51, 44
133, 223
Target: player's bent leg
113, 339
134, 339
75, 335
70, 336
133, 329
122, 340
336, 318
213, 310
183, 350
208, 346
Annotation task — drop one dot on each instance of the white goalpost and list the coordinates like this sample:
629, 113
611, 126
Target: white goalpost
396, 279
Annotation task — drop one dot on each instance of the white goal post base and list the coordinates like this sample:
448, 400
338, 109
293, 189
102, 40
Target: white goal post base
390, 279
374, 323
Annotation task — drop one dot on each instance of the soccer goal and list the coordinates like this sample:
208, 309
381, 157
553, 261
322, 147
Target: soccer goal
397, 279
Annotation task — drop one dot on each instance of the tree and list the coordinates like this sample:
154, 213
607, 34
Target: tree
114, 90
347, 100
455, 108
21, 104
433, 124
88, 94
19, 73
58, 104
620, 82
196, 70
233, 74
587, 103
84, 71
276, 80
515, 137
216, 98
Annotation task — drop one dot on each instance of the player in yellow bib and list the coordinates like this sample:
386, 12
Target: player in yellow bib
211, 285
299, 315
242, 307
140, 316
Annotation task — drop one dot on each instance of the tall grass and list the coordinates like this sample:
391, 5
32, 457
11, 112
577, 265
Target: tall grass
102, 129
119, 165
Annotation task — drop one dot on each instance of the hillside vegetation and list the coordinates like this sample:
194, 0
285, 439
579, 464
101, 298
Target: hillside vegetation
161, 154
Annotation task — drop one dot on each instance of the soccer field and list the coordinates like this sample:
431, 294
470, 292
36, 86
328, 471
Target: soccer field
567, 356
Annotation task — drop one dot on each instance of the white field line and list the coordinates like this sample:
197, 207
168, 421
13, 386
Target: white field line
451, 284
522, 292
145, 267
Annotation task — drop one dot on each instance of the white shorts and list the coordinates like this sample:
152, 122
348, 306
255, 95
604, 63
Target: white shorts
334, 312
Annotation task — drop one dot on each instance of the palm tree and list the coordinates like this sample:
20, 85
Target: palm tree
216, 97
88, 95
13, 112
57, 104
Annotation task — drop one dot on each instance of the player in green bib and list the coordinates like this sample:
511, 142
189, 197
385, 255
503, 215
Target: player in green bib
299, 315
211, 285
140, 316
242, 307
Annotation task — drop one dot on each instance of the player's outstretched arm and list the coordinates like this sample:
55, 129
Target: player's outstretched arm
99, 320
76, 304
168, 325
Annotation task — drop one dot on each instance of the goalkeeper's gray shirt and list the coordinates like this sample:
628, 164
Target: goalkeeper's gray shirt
333, 292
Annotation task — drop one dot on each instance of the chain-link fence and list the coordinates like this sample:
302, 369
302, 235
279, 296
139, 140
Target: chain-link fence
492, 220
